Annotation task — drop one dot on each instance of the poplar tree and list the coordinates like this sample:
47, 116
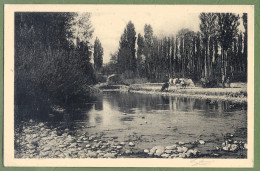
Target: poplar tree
98, 54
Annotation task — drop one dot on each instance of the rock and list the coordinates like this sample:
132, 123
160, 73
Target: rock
45, 154
225, 148
146, 151
217, 148
195, 152
182, 155
35, 140
88, 146
229, 145
57, 153
172, 147
189, 146
110, 155
159, 152
181, 143
82, 155
119, 147
131, 144
182, 149
30, 146
150, 154
122, 143
67, 155
215, 154
179, 149
91, 138
156, 149
245, 146
62, 155
152, 151
41, 124
46, 149
233, 147
115, 137
201, 142
79, 141
101, 154
62, 146
32, 151
174, 155
92, 154
168, 151
189, 153
85, 139
99, 151
43, 135
128, 152
72, 145
230, 141
165, 155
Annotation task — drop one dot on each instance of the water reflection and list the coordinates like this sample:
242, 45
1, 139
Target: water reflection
123, 114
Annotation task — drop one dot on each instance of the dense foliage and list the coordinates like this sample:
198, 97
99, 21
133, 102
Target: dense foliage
98, 55
52, 60
126, 52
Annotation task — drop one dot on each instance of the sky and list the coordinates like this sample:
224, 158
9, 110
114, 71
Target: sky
109, 26
109, 22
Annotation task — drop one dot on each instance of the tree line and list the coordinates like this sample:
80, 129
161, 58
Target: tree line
52, 56
216, 52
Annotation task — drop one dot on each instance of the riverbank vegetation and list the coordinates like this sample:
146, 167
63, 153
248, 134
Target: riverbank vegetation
52, 57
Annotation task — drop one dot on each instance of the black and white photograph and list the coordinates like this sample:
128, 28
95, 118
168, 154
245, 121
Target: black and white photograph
115, 84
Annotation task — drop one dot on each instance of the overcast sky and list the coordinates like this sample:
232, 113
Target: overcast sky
109, 26
109, 21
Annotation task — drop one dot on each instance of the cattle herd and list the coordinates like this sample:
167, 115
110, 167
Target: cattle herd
177, 82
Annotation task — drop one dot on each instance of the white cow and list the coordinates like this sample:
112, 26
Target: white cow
174, 82
183, 82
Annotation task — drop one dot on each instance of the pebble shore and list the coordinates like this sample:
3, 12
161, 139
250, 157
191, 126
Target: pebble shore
37, 141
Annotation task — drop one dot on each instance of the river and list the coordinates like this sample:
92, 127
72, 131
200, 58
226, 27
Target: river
147, 121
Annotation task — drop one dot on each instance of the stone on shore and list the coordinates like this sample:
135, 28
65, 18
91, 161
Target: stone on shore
233, 147
159, 151
128, 152
110, 155
201, 142
131, 144
92, 154
165, 155
146, 151
172, 147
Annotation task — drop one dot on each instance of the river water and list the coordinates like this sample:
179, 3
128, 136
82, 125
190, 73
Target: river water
150, 120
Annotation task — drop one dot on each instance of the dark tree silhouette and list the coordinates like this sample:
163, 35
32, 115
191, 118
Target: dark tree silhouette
98, 55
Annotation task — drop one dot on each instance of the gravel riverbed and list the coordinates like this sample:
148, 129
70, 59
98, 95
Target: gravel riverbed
36, 140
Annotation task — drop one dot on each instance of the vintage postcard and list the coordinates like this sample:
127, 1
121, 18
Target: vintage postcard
129, 85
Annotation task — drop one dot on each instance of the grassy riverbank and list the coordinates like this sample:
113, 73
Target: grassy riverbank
237, 91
